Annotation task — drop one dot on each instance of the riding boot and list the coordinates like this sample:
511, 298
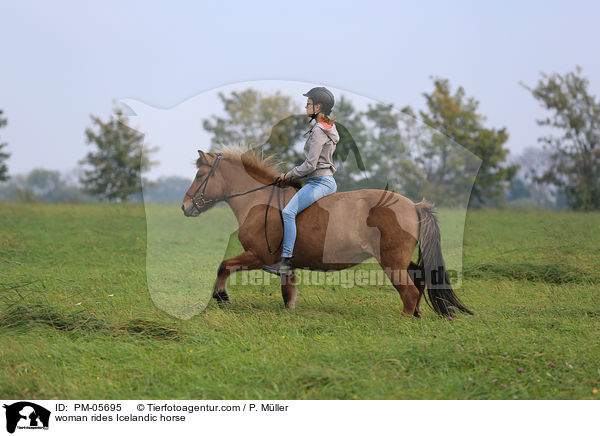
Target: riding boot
281, 268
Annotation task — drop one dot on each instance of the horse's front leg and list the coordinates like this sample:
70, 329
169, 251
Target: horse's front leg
246, 261
289, 291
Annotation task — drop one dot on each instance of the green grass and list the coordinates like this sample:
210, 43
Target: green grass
79, 316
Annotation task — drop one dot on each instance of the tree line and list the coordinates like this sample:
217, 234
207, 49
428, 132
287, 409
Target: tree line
450, 156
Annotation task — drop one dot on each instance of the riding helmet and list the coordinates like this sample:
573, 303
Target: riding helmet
323, 96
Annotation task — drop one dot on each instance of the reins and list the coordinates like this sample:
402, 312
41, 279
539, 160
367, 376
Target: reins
280, 215
277, 183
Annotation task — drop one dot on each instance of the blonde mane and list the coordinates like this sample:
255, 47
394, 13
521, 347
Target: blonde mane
264, 168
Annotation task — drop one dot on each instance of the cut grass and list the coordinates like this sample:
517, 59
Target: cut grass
556, 274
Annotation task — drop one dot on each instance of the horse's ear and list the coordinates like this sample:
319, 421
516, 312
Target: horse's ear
202, 157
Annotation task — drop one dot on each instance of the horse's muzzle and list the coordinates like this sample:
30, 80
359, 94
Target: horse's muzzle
190, 211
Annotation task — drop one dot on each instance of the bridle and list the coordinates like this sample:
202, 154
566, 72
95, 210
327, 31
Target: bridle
204, 184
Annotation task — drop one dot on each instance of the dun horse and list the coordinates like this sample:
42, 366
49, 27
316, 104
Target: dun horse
336, 232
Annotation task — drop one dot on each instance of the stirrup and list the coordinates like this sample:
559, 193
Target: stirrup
281, 268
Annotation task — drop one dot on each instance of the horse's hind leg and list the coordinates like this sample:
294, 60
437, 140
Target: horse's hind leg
246, 261
417, 275
396, 271
289, 291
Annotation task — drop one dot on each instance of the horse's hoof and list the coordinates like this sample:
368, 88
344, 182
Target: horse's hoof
221, 297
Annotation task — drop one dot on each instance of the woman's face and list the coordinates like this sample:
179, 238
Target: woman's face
311, 108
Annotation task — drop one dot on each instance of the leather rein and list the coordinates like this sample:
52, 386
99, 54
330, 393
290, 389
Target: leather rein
277, 183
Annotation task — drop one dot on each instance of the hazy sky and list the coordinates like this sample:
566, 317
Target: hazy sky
62, 61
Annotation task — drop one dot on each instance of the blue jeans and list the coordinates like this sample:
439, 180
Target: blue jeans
315, 188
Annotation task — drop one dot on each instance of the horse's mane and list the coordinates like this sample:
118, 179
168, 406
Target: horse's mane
265, 168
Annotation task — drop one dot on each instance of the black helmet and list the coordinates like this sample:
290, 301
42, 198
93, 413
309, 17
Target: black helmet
322, 96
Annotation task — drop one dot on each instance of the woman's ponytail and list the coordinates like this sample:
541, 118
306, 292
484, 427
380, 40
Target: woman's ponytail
328, 119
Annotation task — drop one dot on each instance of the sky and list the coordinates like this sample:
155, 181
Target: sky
61, 61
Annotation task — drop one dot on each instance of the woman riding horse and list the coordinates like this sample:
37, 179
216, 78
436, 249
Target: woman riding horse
318, 169
376, 223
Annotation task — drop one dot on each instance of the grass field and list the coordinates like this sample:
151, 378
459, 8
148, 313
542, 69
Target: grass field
77, 319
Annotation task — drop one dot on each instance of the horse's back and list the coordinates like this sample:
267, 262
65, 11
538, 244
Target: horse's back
347, 225
372, 196
364, 202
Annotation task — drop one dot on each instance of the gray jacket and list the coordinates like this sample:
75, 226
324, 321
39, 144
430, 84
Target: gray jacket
318, 150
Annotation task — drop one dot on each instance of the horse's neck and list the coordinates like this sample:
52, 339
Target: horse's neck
242, 205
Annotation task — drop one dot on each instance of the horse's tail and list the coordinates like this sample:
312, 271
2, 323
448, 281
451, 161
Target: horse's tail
442, 298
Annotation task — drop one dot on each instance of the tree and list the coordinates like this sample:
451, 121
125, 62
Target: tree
526, 187
119, 160
42, 186
456, 116
3, 155
382, 145
575, 166
44, 183
252, 117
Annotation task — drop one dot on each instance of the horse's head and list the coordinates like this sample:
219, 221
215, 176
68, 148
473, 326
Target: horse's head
207, 188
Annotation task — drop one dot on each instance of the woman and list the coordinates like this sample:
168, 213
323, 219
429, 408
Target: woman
318, 168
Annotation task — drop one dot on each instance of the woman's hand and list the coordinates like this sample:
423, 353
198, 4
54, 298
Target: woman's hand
282, 177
